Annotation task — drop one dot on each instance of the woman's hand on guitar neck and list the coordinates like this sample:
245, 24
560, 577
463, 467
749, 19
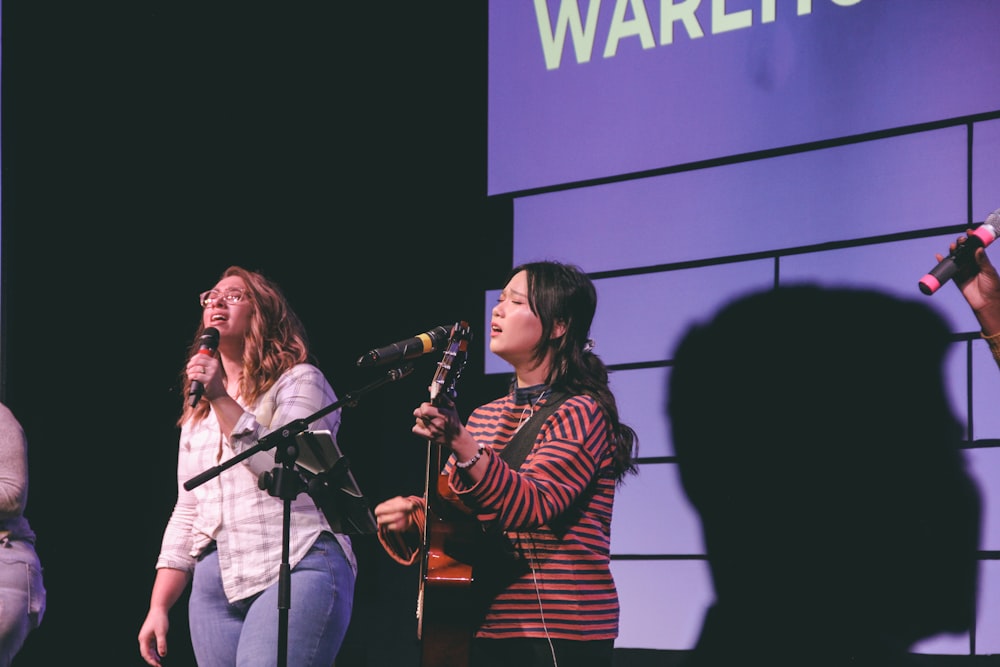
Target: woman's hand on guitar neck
442, 425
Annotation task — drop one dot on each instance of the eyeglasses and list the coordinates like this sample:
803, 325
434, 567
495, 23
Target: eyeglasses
231, 296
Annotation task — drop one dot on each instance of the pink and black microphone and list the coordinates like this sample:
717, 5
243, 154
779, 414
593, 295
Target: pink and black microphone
963, 255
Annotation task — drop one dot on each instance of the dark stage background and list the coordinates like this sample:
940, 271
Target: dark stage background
337, 147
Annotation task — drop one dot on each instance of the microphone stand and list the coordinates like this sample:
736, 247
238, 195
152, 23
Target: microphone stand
286, 483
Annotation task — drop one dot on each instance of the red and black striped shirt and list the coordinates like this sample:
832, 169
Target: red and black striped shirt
556, 509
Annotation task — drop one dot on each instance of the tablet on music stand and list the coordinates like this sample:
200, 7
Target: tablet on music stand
331, 483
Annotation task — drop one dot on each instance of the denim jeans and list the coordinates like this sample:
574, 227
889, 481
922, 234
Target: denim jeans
245, 633
22, 596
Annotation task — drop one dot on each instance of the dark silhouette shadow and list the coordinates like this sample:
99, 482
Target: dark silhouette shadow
815, 439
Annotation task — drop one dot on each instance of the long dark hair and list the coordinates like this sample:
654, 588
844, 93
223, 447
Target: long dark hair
563, 294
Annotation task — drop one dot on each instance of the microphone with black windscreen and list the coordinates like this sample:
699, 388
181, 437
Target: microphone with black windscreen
209, 342
434, 340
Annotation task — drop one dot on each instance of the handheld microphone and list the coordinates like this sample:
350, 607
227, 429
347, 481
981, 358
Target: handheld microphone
430, 341
964, 254
209, 341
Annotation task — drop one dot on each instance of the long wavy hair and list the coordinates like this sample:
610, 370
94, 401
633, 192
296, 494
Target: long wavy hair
563, 294
274, 342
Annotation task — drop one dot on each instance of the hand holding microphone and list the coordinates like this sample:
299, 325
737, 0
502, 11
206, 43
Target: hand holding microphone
209, 342
963, 255
981, 289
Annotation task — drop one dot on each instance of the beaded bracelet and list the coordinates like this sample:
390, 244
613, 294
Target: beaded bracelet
465, 465
994, 342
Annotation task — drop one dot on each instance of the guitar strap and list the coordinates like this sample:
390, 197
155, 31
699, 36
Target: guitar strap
520, 445
496, 562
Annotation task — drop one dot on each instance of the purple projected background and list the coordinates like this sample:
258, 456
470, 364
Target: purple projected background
620, 96
834, 146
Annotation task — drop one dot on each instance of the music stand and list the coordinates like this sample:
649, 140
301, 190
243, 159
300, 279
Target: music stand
331, 484
334, 486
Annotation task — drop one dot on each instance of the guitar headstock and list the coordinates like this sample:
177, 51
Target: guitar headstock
451, 365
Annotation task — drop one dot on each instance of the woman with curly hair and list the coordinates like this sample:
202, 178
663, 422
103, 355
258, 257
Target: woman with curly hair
224, 535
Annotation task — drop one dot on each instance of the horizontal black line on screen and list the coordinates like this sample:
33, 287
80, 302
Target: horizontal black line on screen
956, 229
638, 365
764, 154
980, 555
656, 459
982, 443
658, 557
667, 363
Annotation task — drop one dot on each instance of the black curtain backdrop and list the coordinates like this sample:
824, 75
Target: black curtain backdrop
339, 148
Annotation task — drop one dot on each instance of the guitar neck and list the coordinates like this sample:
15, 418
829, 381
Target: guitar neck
430, 491
443, 384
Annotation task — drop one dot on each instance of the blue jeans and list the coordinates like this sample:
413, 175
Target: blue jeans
22, 596
245, 633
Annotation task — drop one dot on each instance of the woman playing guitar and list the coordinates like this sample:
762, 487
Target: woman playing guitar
535, 471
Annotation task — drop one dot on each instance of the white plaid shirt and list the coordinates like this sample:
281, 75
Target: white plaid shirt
243, 520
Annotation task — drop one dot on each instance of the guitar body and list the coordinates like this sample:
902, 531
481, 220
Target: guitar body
450, 615
447, 615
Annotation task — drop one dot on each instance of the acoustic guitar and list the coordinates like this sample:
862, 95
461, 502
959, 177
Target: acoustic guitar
447, 614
